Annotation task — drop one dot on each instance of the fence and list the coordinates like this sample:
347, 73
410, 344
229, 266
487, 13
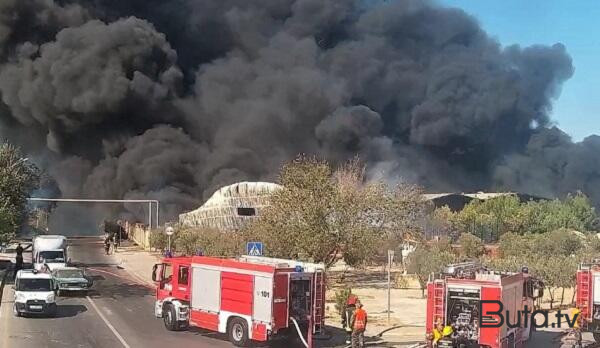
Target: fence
140, 234
489, 232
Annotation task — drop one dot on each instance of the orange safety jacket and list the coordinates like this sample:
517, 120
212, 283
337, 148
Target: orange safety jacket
360, 319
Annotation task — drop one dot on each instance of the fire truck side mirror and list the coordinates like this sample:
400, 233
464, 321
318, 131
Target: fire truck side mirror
155, 275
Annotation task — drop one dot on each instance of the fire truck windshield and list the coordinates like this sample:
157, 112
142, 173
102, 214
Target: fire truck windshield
168, 272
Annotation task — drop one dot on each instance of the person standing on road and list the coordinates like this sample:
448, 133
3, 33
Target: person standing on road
107, 243
359, 325
18, 259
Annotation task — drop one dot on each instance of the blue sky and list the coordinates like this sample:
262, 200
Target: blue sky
576, 24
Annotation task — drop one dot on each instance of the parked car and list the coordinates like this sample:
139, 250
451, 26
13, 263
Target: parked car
71, 279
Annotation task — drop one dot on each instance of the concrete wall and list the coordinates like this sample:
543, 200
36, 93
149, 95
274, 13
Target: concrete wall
140, 234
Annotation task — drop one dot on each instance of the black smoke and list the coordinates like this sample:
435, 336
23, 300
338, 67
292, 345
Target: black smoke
171, 99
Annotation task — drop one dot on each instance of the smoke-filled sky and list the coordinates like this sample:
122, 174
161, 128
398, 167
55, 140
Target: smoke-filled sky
172, 99
568, 22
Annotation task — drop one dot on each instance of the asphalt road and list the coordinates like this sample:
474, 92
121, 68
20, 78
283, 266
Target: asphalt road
118, 313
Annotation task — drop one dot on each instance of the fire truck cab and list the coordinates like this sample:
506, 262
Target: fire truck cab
248, 298
588, 297
454, 299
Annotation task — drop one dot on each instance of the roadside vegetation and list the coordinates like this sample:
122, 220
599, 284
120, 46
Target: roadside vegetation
18, 177
549, 237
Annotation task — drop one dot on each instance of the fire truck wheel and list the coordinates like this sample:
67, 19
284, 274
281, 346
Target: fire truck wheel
238, 332
597, 337
182, 325
170, 318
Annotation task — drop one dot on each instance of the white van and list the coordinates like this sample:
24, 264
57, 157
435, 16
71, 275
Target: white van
34, 293
49, 251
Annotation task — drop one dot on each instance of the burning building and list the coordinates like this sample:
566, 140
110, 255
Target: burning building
170, 100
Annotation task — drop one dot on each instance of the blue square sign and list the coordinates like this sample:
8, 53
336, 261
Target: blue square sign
254, 248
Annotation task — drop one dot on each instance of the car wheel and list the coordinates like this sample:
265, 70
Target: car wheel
15, 311
169, 318
238, 332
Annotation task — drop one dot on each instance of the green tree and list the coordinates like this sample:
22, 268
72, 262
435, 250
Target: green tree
490, 218
323, 213
8, 223
443, 221
516, 245
553, 257
18, 177
471, 246
427, 260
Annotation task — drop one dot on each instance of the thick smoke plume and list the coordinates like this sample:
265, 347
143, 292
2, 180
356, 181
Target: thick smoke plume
171, 99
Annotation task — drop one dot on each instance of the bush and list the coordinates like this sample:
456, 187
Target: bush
159, 240
341, 296
211, 242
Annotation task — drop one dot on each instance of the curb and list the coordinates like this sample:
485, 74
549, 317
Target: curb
2, 282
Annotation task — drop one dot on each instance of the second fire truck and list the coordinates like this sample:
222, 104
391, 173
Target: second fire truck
454, 299
588, 297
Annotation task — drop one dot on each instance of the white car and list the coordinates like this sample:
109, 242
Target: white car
34, 293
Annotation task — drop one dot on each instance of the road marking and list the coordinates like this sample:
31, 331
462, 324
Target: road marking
112, 328
137, 281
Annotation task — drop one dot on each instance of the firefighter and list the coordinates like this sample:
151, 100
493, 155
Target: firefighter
576, 312
348, 310
572, 336
440, 331
359, 325
436, 335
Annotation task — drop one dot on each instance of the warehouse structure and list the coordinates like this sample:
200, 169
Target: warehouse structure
230, 207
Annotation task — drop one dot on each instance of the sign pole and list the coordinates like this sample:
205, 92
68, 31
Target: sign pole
169, 231
390, 260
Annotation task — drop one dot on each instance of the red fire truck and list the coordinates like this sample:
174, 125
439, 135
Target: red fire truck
588, 297
249, 298
454, 298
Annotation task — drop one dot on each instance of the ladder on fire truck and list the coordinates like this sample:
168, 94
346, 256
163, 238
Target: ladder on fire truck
317, 312
584, 279
439, 298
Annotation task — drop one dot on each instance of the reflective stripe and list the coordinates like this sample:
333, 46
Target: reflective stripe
360, 319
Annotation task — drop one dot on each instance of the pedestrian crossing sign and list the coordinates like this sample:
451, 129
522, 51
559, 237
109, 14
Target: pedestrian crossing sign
254, 248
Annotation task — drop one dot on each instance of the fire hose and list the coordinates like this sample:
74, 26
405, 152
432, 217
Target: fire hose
299, 332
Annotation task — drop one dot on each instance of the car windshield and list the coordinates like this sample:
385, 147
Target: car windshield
25, 284
69, 273
54, 256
